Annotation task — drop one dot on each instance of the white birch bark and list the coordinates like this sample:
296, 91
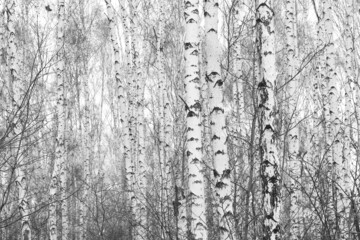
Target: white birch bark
124, 111
168, 132
267, 110
58, 176
132, 96
62, 118
142, 226
347, 154
218, 128
168, 122
319, 92
193, 120
21, 183
139, 181
131, 120
293, 134
334, 147
256, 198
180, 195
15, 84
121, 85
161, 83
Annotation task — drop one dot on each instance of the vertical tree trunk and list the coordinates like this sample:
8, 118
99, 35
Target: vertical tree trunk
334, 148
193, 121
17, 131
320, 148
218, 127
348, 157
293, 131
60, 147
267, 108
61, 103
139, 201
161, 83
142, 226
121, 85
21, 182
122, 95
132, 96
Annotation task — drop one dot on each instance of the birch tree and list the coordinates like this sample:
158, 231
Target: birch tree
347, 154
58, 174
293, 131
101, 65
122, 85
161, 85
61, 107
268, 150
333, 143
17, 130
141, 149
222, 170
193, 114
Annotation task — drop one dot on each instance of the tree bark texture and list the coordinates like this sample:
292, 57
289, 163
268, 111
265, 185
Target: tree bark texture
193, 121
218, 138
267, 109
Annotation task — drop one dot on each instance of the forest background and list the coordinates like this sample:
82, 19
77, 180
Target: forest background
216, 119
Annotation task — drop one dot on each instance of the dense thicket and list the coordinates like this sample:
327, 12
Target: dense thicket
216, 119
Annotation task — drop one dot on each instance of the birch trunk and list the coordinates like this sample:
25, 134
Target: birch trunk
132, 96
222, 172
121, 85
333, 142
16, 131
347, 154
161, 83
193, 120
293, 134
21, 182
61, 103
139, 208
122, 96
255, 197
142, 211
58, 179
267, 109
319, 135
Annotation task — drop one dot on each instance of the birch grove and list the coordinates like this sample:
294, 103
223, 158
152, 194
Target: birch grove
216, 119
